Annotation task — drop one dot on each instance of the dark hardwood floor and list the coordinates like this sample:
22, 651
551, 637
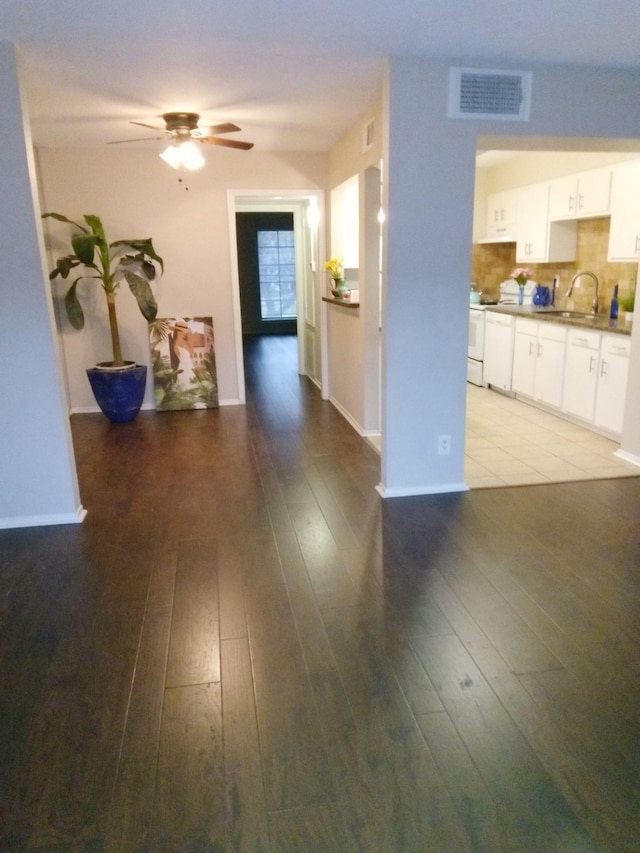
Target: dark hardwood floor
243, 648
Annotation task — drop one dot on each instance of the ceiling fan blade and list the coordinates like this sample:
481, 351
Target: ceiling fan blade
150, 126
212, 130
139, 139
227, 143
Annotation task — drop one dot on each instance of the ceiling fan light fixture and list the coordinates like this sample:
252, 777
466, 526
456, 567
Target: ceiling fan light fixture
183, 154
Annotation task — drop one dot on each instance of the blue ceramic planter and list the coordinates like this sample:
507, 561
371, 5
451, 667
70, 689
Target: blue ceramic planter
119, 393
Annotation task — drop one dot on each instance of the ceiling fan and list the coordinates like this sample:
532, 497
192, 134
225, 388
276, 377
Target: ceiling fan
182, 130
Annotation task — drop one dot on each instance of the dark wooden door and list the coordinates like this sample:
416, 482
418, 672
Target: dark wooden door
267, 272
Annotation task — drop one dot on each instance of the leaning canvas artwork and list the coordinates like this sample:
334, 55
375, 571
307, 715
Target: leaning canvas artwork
184, 366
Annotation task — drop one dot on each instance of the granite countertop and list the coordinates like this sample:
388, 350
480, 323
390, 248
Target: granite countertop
598, 323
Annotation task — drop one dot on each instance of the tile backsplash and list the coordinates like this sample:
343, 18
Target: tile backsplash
492, 263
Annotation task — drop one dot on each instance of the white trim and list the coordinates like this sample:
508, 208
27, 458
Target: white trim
345, 414
43, 520
415, 491
628, 457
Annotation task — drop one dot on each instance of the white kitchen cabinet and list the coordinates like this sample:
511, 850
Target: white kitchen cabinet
538, 361
501, 214
539, 239
581, 373
525, 353
624, 233
581, 196
612, 382
498, 350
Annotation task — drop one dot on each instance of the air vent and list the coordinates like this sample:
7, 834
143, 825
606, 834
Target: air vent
482, 94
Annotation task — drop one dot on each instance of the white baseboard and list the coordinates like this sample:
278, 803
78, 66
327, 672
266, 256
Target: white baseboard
628, 457
345, 414
415, 491
43, 520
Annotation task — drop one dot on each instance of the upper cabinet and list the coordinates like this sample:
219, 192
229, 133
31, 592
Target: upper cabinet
587, 194
502, 216
539, 240
624, 234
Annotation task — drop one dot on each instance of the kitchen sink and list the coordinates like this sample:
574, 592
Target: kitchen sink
569, 315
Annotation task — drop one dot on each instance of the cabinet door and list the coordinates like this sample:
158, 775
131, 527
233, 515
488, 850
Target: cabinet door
563, 198
550, 364
498, 350
533, 223
612, 383
624, 234
525, 353
594, 192
501, 213
581, 374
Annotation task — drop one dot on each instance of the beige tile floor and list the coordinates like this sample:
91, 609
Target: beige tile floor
509, 443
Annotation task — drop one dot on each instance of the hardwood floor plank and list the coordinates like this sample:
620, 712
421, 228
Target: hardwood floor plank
478, 809
314, 642
318, 828
131, 813
294, 761
194, 649
246, 825
190, 802
532, 808
391, 794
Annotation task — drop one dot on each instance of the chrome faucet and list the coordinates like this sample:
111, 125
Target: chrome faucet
595, 303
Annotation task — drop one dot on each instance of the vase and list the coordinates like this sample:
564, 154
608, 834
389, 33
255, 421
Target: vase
339, 288
520, 294
119, 393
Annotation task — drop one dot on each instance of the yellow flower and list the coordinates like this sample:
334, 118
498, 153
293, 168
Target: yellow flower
335, 267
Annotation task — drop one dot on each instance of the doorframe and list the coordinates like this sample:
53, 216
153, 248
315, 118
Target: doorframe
279, 201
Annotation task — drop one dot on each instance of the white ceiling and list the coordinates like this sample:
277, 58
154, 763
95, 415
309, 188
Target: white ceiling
294, 74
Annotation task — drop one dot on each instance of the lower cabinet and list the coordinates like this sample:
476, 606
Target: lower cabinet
498, 350
538, 361
612, 383
581, 373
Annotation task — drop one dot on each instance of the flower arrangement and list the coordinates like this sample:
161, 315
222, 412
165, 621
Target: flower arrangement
335, 268
521, 276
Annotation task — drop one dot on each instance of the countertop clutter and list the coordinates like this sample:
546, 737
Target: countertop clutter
597, 322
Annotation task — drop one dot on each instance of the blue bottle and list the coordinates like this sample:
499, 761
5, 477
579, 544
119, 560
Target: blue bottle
613, 313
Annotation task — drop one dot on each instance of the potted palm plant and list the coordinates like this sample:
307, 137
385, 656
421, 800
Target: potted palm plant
118, 385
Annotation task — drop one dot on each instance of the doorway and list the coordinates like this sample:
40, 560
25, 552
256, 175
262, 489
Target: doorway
304, 208
267, 273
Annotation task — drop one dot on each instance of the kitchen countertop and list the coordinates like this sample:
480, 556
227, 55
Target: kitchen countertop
599, 323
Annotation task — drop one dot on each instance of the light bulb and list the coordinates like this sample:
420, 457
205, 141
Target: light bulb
171, 155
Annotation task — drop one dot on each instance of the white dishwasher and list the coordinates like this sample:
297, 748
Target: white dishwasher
498, 349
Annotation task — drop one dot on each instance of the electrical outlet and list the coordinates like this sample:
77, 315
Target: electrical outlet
444, 445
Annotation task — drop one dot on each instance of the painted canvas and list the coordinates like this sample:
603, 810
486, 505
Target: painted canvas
184, 365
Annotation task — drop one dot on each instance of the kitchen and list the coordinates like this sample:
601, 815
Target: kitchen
576, 421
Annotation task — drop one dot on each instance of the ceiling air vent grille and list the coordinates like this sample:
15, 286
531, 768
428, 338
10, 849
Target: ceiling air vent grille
482, 94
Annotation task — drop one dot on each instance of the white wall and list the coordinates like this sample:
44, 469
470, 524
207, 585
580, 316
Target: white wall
430, 162
186, 214
37, 473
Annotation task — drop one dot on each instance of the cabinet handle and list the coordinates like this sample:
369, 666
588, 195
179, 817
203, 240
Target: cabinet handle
572, 203
592, 364
539, 350
580, 201
603, 368
530, 347
637, 249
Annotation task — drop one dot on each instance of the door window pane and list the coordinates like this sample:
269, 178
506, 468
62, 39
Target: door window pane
277, 272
